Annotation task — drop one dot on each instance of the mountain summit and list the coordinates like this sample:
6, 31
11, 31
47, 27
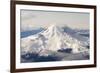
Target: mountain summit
52, 31
52, 39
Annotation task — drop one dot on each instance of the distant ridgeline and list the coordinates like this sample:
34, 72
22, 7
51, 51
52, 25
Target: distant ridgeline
66, 29
31, 32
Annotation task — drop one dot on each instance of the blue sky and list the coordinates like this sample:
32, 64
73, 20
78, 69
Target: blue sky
31, 19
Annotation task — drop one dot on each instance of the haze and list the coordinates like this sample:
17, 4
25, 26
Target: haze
31, 19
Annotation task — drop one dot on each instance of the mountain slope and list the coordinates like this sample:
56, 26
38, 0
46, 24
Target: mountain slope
53, 39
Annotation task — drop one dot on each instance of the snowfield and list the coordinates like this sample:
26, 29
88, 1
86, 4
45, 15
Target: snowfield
53, 44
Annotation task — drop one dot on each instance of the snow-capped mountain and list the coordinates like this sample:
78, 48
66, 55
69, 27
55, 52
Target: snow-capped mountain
53, 39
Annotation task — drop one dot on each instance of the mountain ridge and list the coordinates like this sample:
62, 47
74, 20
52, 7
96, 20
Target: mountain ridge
54, 38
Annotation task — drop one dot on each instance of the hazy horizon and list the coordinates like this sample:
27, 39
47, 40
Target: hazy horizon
31, 19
